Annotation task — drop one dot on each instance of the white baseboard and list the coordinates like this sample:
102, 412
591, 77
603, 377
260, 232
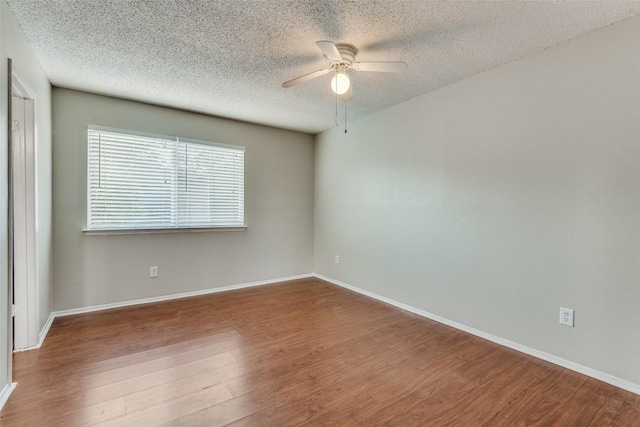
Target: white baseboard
41, 336
175, 296
602, 376
6, 392
80, 310
45, 330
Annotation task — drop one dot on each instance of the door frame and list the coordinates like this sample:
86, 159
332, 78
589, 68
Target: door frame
23, 228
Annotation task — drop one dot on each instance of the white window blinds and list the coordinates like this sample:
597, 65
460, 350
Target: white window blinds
143, 182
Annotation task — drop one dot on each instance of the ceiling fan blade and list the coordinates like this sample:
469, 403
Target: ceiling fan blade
385, 67
306, 77
330, 50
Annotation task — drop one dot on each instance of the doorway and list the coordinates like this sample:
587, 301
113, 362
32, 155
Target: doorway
23, 212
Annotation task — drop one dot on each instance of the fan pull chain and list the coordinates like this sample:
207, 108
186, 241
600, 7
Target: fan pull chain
345, 116
337, 104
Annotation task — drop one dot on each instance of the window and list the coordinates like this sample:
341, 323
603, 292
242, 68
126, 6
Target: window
149, 182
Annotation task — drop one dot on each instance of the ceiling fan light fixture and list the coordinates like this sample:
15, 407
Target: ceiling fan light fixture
340, 83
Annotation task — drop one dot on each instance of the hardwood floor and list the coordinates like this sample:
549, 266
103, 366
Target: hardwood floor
297, 353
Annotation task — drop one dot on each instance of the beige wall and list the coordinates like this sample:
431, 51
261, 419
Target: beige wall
91, 270
496, 200
14, 45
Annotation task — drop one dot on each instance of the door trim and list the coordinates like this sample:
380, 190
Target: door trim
24, 265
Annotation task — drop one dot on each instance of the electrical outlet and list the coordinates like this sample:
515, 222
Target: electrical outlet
337, 258
566, 316
153, 271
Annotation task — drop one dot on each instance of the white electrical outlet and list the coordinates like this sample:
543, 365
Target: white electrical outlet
566, 316
337, 259
153, 271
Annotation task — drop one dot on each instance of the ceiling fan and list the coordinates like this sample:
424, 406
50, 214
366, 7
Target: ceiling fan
342, 58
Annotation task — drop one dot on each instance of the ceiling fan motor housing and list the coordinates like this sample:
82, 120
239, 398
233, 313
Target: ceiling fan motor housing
348, 54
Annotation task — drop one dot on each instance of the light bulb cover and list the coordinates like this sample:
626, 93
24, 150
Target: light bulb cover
340, 83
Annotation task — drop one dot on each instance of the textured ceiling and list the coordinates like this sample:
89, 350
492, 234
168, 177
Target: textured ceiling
229, 57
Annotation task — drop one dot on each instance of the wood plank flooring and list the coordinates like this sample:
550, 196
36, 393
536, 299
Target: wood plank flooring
298, 353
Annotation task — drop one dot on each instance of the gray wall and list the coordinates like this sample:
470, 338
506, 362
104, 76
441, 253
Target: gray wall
91, 270
496, 200
14, 45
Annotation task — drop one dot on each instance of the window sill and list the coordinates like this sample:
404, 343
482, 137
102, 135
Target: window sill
160, 230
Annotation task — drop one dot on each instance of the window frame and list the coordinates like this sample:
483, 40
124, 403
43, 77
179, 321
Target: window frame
157, 230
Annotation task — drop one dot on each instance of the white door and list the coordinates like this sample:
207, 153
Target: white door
24, 209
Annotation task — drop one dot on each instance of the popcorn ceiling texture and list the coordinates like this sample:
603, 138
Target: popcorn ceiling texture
229, 57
